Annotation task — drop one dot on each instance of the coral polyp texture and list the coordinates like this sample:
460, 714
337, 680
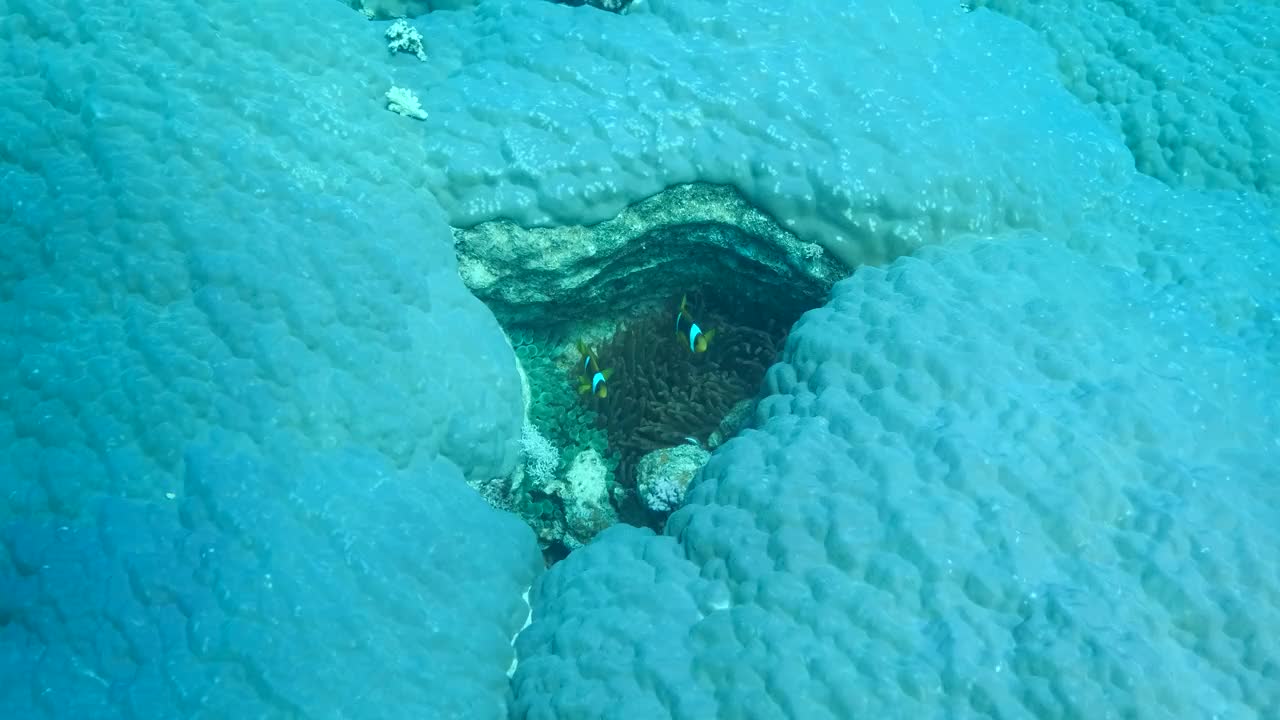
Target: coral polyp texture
889, 543
1131, 64
262, 345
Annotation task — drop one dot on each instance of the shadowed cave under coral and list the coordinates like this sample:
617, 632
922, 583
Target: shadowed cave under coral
617, 286
661, 396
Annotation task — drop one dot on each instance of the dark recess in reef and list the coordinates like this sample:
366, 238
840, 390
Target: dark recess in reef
615, 286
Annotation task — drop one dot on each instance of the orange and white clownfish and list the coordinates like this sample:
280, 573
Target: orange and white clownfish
592, 379
688, 332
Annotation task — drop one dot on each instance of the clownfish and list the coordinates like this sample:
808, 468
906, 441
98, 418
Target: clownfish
592, 379
687, 331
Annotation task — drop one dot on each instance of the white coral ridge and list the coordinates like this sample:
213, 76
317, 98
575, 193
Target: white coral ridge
663, 476
403, 37
404, 102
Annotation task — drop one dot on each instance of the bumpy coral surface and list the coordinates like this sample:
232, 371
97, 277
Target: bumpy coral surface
1021, 463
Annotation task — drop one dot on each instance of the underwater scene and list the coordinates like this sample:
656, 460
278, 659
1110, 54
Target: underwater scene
639, 360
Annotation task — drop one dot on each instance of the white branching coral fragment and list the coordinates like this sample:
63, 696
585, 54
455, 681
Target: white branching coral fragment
404, 102
402, 37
